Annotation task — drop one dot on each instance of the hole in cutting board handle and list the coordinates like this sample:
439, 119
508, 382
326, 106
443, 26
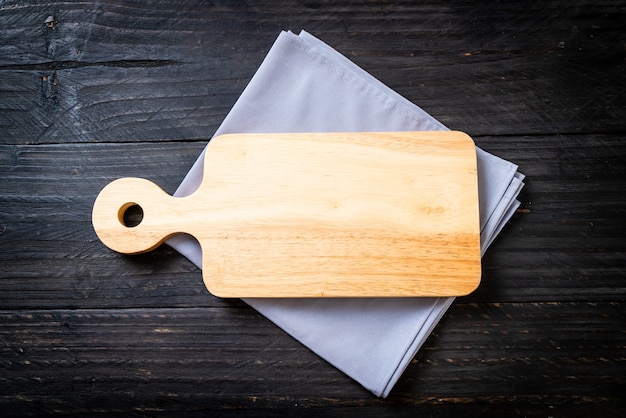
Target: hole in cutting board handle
131, 215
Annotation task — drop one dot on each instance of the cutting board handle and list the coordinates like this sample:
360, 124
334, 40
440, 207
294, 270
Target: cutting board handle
161, 215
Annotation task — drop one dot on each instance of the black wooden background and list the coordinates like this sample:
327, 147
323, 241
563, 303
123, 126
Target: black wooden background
95, 90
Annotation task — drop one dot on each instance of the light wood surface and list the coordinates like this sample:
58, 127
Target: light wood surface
318, 215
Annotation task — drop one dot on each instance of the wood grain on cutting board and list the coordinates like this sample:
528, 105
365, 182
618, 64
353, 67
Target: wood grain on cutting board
316, 215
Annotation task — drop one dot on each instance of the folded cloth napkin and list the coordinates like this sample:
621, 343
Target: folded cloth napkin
303, 85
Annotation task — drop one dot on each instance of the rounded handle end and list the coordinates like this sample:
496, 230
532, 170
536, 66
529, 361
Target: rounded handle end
113, 202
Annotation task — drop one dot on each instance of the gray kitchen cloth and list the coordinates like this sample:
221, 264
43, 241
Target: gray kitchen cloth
303, 85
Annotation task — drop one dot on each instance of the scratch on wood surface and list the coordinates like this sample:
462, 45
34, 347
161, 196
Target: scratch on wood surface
71, 64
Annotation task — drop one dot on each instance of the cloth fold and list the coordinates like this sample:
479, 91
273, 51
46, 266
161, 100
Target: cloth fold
304, 85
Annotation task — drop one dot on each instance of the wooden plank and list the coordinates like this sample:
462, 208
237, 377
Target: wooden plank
48, 249
567, 242
391, 214
157, 72
562, 246
503, 355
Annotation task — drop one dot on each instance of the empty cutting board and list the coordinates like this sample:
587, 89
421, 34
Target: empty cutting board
318, 215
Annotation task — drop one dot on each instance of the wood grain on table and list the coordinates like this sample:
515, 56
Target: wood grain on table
110, 89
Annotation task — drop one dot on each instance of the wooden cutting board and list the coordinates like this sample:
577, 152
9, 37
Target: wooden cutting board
318, 215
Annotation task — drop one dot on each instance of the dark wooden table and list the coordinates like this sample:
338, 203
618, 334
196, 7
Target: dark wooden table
107, 89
